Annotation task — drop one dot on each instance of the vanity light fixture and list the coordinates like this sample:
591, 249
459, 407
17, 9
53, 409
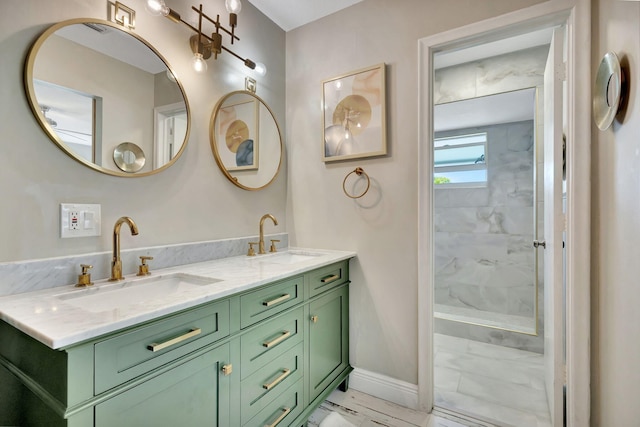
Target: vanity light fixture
204, 45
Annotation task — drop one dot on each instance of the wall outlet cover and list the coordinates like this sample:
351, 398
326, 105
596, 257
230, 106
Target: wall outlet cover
79, 220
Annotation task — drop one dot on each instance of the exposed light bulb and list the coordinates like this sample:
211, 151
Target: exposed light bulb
261, 69
198, 63
233, 6
157, 7
171, 76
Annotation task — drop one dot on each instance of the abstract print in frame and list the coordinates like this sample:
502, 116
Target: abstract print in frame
354, 118
238, 125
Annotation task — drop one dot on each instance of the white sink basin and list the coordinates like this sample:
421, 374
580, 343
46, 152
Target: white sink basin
115, 295
291, 257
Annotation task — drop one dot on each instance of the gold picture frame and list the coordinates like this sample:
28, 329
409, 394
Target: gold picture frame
354, 115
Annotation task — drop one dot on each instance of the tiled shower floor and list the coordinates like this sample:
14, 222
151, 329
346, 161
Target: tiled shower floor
493, 383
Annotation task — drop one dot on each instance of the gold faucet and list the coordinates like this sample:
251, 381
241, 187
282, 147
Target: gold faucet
116, 263
261, 242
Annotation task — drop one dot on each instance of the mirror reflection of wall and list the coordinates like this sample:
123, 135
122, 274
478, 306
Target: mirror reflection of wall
128, 84
74, 116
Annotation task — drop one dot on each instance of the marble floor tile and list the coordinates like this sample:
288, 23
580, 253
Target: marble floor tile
521, 372
486, 411
446, 379
499, 352
495, 384
450, 343
514, 396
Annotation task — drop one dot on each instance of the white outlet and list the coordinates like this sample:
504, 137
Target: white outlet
74, 220
79, 220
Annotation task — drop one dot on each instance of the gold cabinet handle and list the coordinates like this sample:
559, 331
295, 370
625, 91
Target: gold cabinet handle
160, 346
285, 412
314, 319
277, 300
330, 279
227, 369
284, 336
272, 384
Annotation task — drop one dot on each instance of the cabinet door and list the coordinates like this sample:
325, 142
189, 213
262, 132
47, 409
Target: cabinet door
195, 393
328, 339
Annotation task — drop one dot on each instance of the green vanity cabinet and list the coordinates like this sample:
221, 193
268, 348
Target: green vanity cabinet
263, 357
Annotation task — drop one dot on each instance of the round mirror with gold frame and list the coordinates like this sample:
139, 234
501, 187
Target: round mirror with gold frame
93, 85
246, 140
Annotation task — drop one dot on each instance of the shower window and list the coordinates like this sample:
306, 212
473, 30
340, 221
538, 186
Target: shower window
460, 161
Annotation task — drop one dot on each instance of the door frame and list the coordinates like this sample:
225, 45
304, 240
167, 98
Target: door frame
575, 14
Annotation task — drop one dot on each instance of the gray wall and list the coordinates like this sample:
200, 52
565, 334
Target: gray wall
615, 185
382, 226
191, 201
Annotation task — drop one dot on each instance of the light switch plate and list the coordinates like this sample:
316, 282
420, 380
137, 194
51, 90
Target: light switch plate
79, 220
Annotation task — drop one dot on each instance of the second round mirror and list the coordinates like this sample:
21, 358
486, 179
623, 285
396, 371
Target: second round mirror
246, 140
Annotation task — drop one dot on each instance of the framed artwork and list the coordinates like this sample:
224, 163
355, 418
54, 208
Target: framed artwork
354, 116
238, 128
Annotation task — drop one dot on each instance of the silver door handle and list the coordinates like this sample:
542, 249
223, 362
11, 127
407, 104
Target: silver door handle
537, 243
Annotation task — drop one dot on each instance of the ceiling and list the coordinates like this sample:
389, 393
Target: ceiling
290, 14
506, 107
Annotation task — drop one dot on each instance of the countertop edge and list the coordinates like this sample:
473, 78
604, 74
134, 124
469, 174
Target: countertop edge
14, 310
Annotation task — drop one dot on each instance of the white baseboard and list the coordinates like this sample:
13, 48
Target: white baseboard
384, 387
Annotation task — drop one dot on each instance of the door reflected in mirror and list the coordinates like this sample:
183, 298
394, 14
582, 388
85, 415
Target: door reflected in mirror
246, 140
93, 85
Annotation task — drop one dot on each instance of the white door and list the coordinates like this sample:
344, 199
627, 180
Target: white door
554, 225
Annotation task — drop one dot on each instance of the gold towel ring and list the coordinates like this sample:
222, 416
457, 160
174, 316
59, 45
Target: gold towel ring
358, 171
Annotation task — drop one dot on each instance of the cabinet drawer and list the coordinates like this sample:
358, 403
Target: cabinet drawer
271, 340
328, 277
282, 411
126, 356
266, 384
262, 303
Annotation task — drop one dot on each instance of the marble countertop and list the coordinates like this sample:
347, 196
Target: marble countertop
50, 316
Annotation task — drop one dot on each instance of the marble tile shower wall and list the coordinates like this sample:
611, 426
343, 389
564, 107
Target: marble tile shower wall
503, 73
32, 275
484, 256
483, 235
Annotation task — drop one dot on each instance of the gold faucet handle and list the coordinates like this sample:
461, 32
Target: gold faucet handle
84, 278
273, 245
251, 251
143, 268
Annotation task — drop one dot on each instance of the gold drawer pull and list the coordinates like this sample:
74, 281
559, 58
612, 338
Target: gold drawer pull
285, 374
285, 412
314, 319
277, 300
160, 346
284, 336
330, 279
